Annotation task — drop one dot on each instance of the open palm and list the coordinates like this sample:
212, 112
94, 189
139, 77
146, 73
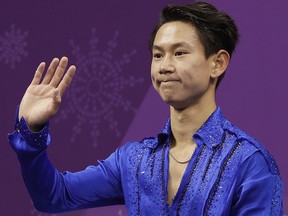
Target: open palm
42, 98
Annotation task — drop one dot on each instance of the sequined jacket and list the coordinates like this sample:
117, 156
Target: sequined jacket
230, 173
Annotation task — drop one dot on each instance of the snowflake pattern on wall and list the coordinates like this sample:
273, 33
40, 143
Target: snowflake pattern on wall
96, 91
13, 46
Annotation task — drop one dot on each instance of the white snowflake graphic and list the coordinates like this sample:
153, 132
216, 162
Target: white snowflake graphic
96, 91
12, 46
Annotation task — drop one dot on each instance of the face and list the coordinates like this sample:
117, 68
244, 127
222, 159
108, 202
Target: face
180, 71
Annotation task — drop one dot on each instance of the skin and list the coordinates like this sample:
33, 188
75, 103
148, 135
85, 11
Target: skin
41, 100
181, 74
186, 80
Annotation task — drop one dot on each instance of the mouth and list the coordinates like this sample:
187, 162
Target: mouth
167, 82
163, 80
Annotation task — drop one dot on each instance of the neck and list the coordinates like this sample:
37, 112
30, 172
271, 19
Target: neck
186, 122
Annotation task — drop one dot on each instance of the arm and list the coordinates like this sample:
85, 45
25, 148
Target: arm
258, 191
50, 190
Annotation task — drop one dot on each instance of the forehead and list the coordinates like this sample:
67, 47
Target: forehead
177, 32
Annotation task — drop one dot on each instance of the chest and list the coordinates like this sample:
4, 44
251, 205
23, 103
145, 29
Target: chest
175, 176
157, 185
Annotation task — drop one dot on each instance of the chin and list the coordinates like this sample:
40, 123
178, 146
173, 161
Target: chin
167, 99
171, 100
174, 103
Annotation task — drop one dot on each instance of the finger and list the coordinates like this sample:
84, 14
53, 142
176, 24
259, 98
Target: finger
56, 99
67, 79
50, 71
38, 74
57, 77
54, 106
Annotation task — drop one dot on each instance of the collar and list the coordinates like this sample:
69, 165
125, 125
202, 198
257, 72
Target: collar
161, 139
211, 132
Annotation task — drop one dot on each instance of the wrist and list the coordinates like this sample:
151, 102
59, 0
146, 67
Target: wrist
38, 138
35, 128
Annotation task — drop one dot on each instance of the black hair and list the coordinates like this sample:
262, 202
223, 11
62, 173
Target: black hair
216, 29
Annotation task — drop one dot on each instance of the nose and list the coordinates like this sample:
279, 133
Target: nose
167, 65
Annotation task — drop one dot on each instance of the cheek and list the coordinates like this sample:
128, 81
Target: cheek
153, 72
195, 76
154, 83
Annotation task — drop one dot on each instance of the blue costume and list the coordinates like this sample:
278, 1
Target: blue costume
229, 173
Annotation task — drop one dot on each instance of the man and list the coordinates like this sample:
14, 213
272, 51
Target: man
200, 164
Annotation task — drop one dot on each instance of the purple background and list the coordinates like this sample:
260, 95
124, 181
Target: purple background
111, 100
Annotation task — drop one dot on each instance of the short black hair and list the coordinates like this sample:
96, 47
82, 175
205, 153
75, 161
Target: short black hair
216, 29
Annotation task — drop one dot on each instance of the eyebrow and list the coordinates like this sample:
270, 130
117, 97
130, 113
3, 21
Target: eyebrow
175, 45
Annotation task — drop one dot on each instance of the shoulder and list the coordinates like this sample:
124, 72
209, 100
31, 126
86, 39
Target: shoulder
138, 147
257, 150
147, 142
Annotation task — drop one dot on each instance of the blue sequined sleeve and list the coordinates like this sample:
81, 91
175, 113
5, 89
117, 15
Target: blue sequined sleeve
22, 135
52, 191
258, 191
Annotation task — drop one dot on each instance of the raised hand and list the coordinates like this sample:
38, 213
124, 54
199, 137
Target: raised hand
42, 99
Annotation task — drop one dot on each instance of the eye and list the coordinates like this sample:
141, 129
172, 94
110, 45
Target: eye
179, 53
157, 55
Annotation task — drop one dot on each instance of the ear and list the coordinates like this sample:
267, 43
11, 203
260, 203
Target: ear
220, 63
